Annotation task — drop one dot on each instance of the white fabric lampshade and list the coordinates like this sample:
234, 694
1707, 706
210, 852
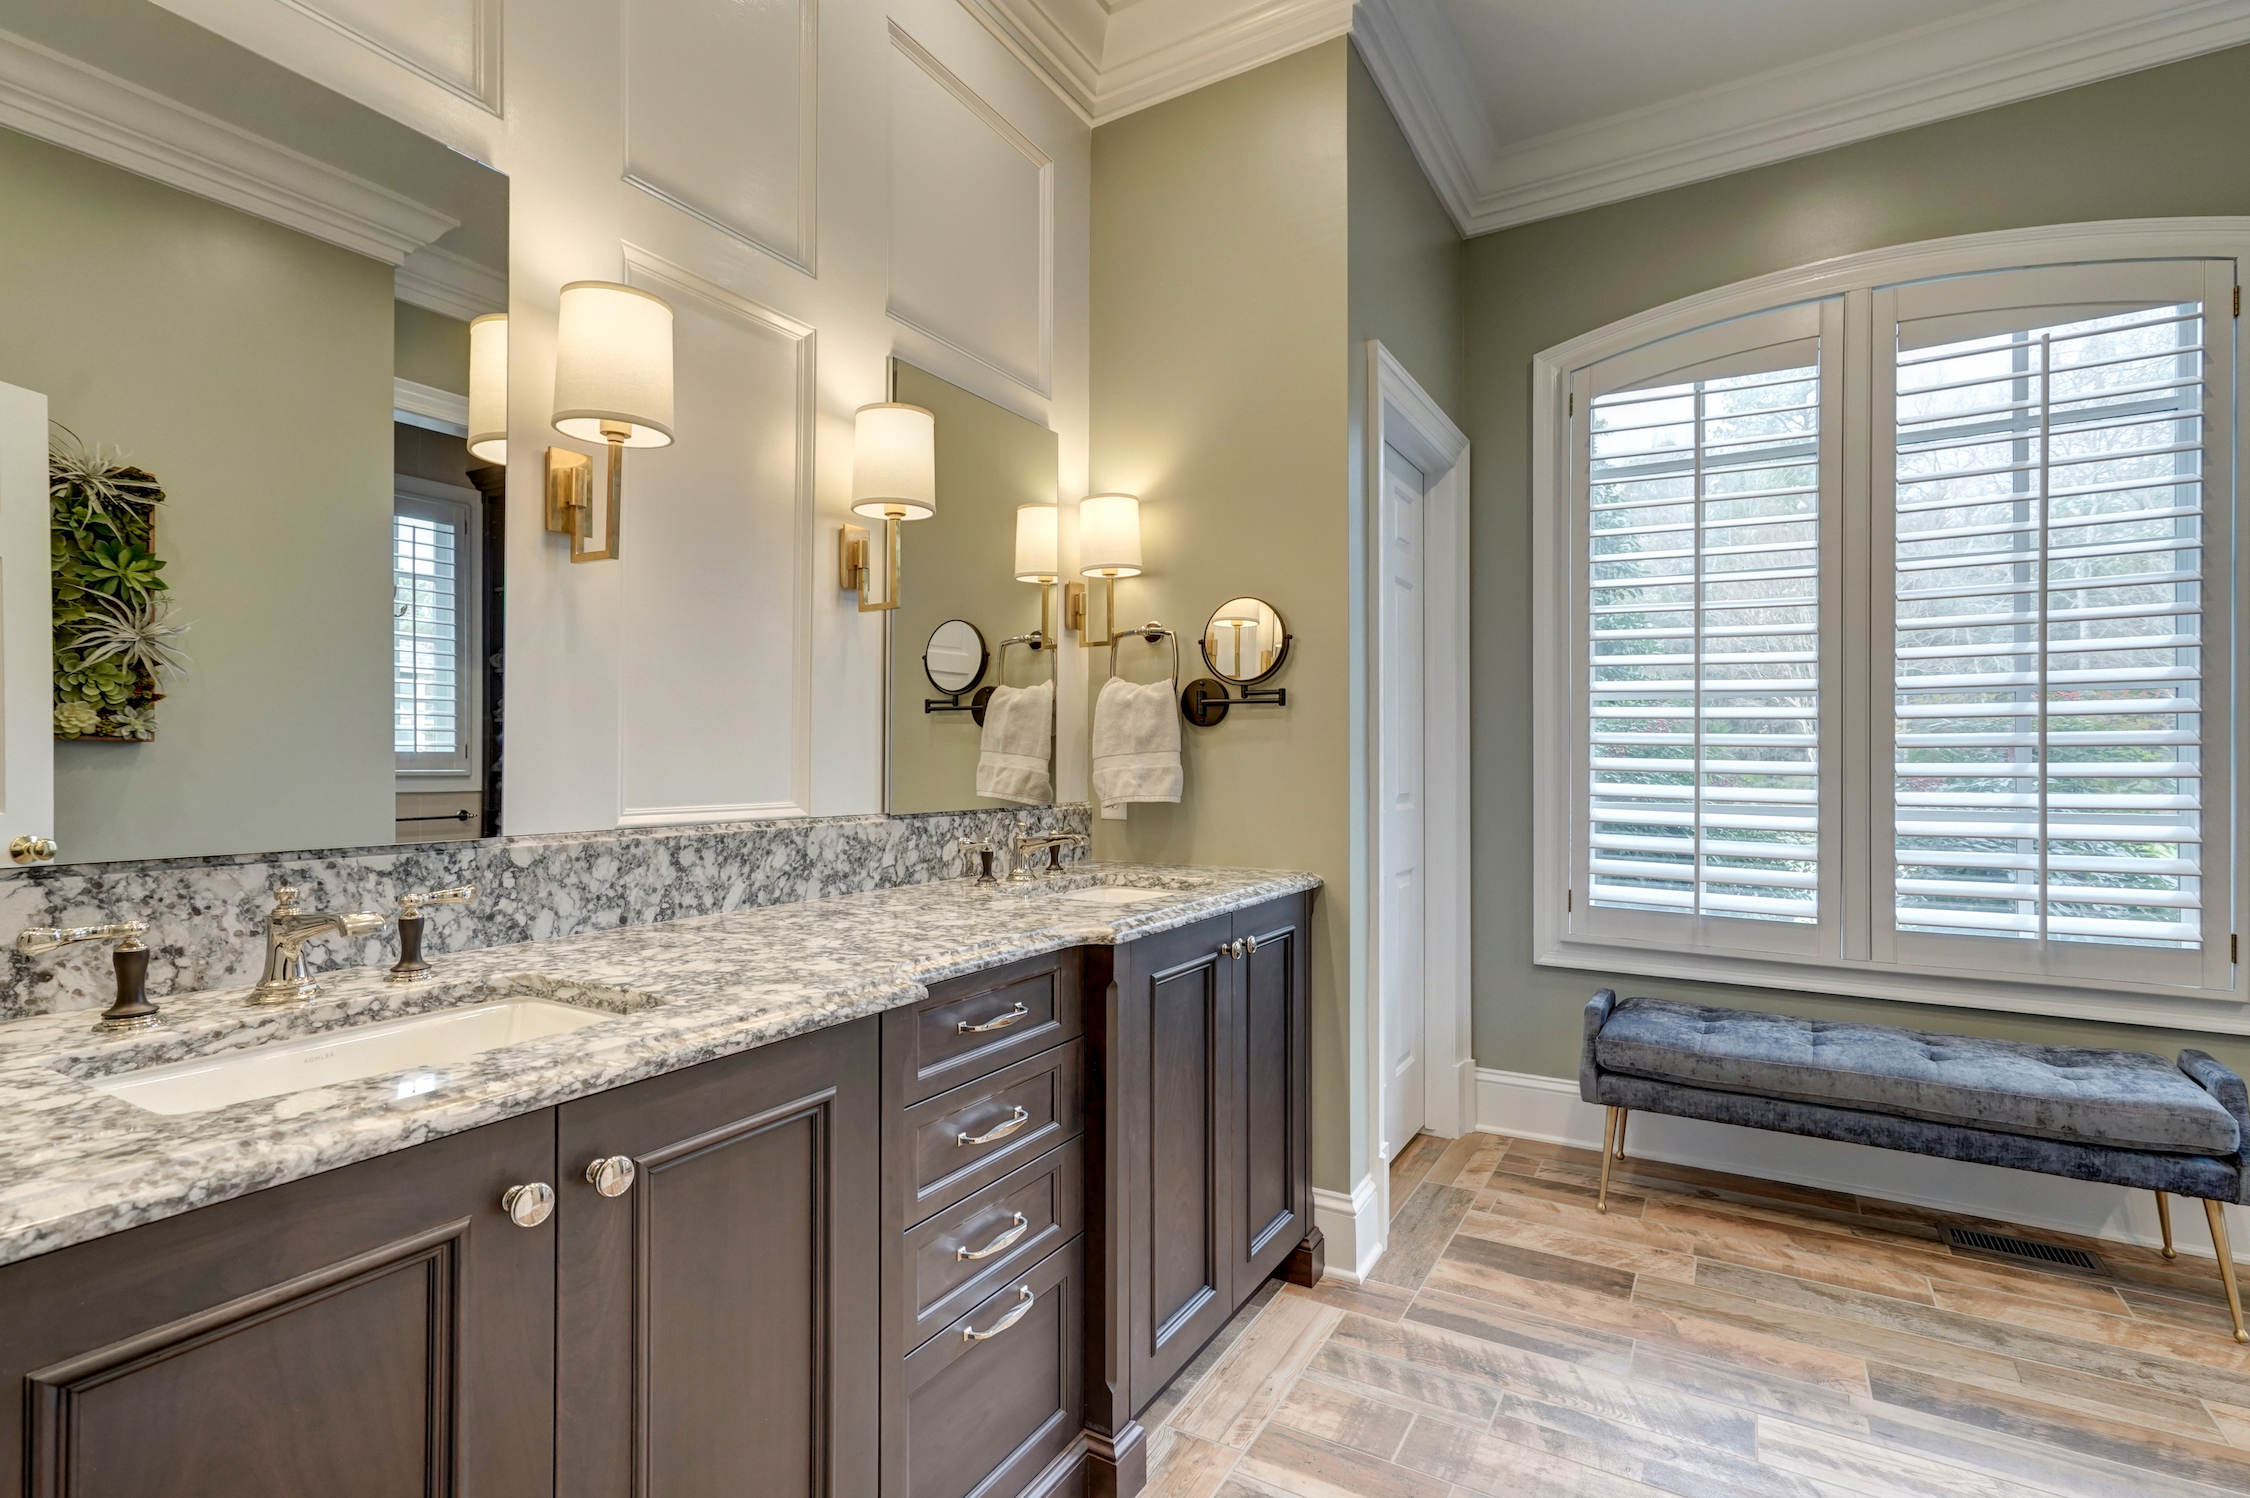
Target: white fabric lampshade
894, 462
613, 362
1109, 535
1038, 543
488, 388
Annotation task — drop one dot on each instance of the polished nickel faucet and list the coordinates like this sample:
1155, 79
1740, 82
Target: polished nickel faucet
287, 931
130, 1010
1030, 843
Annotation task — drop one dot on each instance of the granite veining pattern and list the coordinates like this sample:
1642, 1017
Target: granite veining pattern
207, 914
83, 1163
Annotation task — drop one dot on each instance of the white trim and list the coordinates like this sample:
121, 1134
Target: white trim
1356, 1227
1107, 60
2170, 1007
643, 268
450, 284
427, 406
1520, 1105
1401, 414
1995, 55
61, 100
483, 85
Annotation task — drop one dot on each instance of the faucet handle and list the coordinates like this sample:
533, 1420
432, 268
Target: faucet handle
129, 1009
411, 967
38, 941
410, 905
985, 847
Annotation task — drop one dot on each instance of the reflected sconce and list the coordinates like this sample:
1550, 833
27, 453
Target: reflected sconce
1038, 554
488, 388
1109, 547
613, 384
894, 479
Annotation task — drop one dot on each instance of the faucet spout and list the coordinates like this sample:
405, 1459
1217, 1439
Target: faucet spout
287, 930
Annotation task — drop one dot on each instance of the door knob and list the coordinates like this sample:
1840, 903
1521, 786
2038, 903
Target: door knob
612, 1175
31, 849
530, 1205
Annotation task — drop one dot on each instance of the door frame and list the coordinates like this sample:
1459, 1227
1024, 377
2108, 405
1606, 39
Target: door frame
1401, 414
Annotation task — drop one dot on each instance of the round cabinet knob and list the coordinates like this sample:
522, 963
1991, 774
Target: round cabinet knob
612, 1176
31, 849
528, 1206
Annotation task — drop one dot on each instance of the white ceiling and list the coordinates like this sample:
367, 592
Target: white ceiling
1524, 109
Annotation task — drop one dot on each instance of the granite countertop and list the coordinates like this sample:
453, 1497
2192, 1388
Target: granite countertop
82, 1163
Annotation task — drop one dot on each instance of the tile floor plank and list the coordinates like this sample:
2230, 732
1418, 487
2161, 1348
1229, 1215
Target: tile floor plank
1503, 1469
1242, 1388
1420, 1230
1334, 1413
1309, 1467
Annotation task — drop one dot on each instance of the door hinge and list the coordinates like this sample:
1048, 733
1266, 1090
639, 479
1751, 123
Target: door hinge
2234, 947
1570, 401
1569, 899
2238, 301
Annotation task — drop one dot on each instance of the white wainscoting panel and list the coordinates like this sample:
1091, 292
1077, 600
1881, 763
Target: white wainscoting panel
456, 44
721, 106
972, 222
1520, 1105
715, 651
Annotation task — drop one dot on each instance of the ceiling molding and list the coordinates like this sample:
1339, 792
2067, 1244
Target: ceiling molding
1997, 55
61, 100
427, 406
452, 284
1107, 60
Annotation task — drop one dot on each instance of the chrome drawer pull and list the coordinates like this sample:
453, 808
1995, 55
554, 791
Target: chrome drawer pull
1024, 1301
1001, 1022
1018, 1121
1005, 1240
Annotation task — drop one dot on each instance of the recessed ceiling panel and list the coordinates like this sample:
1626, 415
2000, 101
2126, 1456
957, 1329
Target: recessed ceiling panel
452, 42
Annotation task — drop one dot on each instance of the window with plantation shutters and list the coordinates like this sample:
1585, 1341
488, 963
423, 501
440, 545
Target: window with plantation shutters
1885, 635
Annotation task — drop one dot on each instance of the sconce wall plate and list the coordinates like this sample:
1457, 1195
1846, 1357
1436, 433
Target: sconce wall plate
570, 502
855, 566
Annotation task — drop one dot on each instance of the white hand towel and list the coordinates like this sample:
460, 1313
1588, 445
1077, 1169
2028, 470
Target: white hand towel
1136, 745
1019, 734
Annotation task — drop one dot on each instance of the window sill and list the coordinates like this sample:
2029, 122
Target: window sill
2177, 1009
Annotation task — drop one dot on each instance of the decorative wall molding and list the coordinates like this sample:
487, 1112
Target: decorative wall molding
1521, 1105
482, 84
64, 101
1106, 61
1999, 54
427, 406
651, 271
450, 284
1356, 1226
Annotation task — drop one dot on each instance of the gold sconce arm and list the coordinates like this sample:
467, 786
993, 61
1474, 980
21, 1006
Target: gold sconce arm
570, 497
1076, 612
856, 572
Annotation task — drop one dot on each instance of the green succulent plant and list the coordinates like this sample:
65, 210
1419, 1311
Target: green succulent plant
114, 639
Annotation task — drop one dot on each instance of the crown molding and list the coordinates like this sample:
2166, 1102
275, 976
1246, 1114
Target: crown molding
1106, 61
452, 284
427, 406
63, 101
2017, 49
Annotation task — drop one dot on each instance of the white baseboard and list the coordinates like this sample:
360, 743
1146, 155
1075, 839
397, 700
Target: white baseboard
1519, 1105
1354, 1228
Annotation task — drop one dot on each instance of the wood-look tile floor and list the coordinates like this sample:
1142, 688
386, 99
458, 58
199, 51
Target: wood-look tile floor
1713, 1336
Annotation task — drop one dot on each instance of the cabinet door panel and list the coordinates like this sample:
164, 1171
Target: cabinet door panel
1273, 1195
377, 1331
715, 1329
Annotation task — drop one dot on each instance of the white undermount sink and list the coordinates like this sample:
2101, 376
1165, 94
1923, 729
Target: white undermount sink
1113, 894
415, 1046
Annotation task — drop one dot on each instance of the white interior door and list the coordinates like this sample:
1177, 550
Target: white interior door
1399, 718
27, 678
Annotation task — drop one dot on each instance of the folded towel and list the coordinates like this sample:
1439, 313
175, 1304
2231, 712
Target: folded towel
1019, 736
1136, 745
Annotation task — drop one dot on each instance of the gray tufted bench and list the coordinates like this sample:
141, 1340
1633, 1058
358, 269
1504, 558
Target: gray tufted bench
2126, 1118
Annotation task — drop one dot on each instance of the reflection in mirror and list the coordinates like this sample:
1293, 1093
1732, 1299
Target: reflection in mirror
284, 354
1245, 641
960, 569
955, 657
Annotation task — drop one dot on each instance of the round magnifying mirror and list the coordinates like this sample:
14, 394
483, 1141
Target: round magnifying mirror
955, 658
1245, 641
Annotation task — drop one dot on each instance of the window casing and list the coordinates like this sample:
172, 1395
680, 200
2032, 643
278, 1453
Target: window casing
1884, 633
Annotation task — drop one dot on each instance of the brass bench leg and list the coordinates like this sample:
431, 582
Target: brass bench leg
2164, 1220
1610, 1136
1622, 1115
2217, 1214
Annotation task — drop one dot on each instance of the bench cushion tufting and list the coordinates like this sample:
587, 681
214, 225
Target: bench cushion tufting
2122, 1099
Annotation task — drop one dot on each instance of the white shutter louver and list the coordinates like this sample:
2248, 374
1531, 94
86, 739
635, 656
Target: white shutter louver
426, 639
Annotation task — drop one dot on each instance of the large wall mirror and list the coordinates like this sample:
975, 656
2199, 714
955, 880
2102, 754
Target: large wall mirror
957, 740
257, 380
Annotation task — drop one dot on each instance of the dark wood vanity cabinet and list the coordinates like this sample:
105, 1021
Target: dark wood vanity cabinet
377, 1331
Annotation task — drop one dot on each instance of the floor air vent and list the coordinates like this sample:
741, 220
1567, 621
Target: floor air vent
2023, 1248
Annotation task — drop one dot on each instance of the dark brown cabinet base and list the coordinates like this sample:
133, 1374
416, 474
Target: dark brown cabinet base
949, 1252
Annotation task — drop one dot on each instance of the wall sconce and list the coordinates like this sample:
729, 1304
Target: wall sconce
613, 384
488, 388
1038, 553
1109, 547
894, 479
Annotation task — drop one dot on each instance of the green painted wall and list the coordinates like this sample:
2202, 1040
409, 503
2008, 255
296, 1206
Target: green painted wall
2145, 145
249, 368
429, 348
1219, 391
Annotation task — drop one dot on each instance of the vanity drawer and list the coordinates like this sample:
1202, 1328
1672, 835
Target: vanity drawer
949, 1263
952, 1145
986, 1406
970, 1027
